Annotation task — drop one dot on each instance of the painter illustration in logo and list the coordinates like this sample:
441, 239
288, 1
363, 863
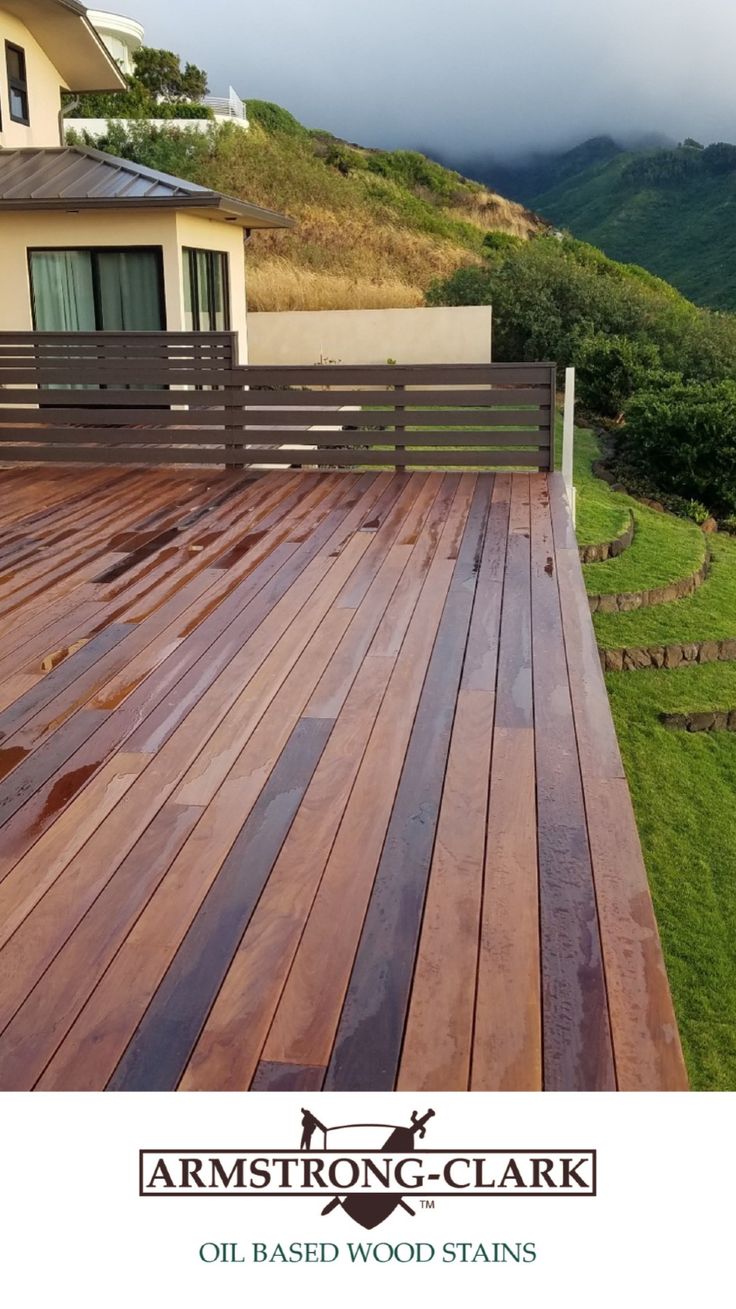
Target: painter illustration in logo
368, 1210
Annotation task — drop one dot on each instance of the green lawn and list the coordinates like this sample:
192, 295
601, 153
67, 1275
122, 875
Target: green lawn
683, 784
708, 615
664, 549
602, 515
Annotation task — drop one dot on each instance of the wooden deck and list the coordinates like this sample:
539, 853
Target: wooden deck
329, 797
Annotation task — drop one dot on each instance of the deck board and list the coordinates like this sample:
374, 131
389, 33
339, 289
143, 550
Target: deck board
330, 796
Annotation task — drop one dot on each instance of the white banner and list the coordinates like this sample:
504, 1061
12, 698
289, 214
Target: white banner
652, 1218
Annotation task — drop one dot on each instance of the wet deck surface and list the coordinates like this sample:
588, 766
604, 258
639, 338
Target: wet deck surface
329, 796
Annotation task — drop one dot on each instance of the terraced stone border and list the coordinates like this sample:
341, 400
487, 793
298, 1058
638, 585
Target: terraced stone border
718, 720
674, 655
624, 602
598, 554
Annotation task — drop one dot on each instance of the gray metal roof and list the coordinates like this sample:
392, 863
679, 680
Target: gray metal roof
78, 177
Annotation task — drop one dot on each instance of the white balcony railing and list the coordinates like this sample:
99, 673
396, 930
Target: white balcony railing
229, 105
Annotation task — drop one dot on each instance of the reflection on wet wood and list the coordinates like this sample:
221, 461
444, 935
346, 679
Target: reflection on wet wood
309, 779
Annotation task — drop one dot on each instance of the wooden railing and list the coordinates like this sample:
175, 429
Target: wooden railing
445, 415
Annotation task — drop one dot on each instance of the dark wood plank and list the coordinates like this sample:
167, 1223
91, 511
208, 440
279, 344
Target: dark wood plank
368, 1041
507, 1043
37, 1029
577, 1041
287, 1077
160, 1049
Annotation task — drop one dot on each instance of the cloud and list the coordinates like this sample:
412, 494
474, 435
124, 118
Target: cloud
469, 77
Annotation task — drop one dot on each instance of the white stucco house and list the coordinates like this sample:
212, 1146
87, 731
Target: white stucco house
89, 242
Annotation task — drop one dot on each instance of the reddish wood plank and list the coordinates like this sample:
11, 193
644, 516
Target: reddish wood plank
578, 1055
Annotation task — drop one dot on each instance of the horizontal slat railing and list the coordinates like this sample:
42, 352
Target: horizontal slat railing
142, 408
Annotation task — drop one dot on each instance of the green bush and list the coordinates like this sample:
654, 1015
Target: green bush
495, 243
180, 151
183, 109
684, 437
415, 170
610, 369
551, 293
272, 118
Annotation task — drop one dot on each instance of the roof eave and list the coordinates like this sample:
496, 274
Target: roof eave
219, 206
74, 47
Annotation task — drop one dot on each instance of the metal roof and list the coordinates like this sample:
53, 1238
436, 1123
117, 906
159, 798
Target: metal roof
78, 177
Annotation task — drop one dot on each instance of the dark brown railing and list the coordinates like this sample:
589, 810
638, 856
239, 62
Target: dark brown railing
444, 415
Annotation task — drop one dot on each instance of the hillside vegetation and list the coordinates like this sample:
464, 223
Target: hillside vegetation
672, 210
373, 227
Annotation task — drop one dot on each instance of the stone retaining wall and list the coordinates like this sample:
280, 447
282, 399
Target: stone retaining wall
719, 720
624, 602
673, 655
598, 554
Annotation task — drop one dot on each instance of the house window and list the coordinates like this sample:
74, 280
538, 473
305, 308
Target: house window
206, 291
15, 61
98, 290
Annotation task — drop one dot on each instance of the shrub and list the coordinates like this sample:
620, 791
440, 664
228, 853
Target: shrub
495, 243
684, 437
415, 170
469, 285
272, 118
610, 369
180, 151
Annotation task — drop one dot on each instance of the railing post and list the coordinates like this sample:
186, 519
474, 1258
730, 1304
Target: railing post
398, 426
568, 438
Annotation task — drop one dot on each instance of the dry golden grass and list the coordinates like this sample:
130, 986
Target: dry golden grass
360, 241
322, 263
278, 284
496, 214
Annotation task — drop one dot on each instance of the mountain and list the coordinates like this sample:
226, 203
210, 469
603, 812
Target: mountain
373, 227
537, 173
671, 210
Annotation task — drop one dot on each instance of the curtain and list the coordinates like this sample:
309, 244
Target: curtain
63, 295
129, 290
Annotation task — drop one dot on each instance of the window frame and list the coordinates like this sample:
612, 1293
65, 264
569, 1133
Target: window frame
189, 254
17, 84
94, 250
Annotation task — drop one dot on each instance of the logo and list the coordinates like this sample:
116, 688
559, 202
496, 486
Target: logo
368, 1170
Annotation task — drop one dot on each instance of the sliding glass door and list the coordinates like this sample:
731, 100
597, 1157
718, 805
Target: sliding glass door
97, 290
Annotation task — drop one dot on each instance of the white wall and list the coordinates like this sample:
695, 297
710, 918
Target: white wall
372, 336
44, 91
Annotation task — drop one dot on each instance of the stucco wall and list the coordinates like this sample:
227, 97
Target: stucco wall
372, 336
170, 230
44, 90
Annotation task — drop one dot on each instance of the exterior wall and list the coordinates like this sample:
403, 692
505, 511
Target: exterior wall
372, 336
44, 90
211, 234
20, 232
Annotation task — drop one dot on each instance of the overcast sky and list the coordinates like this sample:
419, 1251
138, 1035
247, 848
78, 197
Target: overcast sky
468, 76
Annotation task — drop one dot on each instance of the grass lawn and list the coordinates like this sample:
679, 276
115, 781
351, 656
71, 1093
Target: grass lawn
601, 514
664, 549
708, 615
683, 784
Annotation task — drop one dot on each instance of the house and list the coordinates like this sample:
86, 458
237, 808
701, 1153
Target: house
123, 36
90, 242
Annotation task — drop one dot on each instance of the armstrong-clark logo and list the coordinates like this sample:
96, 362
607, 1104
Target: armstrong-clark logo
368, 1170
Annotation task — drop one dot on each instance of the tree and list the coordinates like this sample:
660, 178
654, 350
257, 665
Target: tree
161, 74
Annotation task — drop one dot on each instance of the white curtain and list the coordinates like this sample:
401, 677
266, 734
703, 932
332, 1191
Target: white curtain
63, 296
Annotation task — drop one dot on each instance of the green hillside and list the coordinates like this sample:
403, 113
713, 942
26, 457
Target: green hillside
373, 227
673, 211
